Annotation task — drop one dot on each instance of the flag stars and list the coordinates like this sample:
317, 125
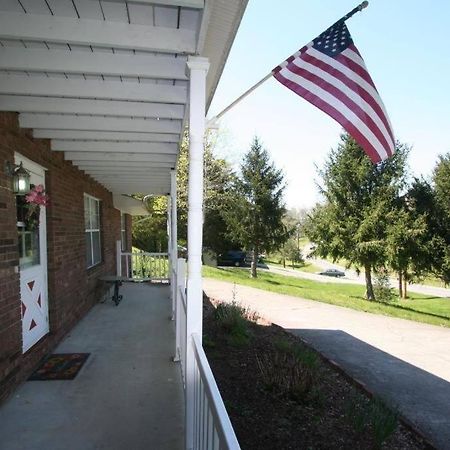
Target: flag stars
333, 41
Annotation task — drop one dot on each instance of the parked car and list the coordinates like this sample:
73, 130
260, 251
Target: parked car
333, 273
249, 257
231, 258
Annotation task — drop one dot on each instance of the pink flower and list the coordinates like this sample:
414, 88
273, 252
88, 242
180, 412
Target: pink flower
37, 196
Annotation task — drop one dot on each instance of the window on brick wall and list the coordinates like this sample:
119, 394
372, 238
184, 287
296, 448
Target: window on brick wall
92, 230
123, 231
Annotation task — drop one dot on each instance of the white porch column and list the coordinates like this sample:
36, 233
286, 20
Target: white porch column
119, 258
198, 68
173, 242
169, 249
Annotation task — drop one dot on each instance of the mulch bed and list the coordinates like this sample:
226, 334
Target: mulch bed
327, 417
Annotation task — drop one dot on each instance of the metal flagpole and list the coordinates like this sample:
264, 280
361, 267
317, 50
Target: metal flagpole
211, 122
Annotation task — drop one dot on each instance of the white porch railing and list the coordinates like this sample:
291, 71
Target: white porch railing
212, 429
212, 426
181, 316
145, 266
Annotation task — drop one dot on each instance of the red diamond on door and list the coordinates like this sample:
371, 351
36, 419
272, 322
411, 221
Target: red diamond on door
39, 300
24, 308
33, 324
31, 285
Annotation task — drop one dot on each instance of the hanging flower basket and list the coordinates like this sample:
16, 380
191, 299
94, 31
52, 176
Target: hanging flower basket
34, 200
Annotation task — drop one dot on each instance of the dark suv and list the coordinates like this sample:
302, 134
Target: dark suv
231, 258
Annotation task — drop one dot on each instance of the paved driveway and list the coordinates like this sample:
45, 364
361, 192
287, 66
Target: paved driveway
406, 363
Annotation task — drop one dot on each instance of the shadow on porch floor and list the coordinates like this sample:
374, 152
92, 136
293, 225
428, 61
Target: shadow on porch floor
127, 396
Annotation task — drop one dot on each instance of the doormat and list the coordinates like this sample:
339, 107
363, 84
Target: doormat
60, 366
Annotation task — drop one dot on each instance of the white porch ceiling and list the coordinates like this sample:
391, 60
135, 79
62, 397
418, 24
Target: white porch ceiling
105, 80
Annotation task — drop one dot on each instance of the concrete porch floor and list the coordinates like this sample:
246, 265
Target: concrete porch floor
128, 395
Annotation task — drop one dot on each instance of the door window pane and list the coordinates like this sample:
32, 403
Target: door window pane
29, 254
28, 233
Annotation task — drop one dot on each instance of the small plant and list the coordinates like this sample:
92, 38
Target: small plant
284, 374
290, 370
382, 288
381, 420
305, 356
356, 414
384, 421
232, 318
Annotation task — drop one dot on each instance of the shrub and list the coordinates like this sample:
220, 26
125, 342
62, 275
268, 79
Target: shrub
289, 369
304, 356
232, 318
382, 288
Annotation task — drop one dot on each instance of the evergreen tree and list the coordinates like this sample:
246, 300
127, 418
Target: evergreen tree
255, 215
217, 192
359, 195
441, 181
406, 242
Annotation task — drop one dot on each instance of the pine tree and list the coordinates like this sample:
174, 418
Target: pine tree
352, 224
255, 216
441, 181
218, 180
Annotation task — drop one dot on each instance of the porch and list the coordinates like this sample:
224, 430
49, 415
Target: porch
129, 394
97, 95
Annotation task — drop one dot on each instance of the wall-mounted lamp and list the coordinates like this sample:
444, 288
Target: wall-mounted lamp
21, 178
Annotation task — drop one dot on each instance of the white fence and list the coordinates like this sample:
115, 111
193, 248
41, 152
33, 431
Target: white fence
181, 317
145, 266
212, 426
212, 429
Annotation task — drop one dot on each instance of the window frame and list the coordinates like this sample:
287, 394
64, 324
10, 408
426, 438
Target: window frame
91, 230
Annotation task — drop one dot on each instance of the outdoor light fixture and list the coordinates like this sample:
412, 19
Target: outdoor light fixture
21, 178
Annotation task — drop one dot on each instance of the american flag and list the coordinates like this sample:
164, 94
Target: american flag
330, 73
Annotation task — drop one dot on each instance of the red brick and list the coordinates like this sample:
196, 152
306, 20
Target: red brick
72, 289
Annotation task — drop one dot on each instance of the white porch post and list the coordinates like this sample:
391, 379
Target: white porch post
119, 258
169, 251
173, 242
198, 68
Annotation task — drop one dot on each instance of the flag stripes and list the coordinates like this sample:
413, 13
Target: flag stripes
337, 82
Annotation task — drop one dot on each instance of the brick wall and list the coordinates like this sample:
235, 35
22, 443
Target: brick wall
72, 289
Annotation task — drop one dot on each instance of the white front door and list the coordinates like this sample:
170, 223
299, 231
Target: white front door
33, 262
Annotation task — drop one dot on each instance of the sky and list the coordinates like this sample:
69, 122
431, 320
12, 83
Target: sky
405, 45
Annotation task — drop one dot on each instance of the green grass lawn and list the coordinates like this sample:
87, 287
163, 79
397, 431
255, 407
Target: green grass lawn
420, 308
